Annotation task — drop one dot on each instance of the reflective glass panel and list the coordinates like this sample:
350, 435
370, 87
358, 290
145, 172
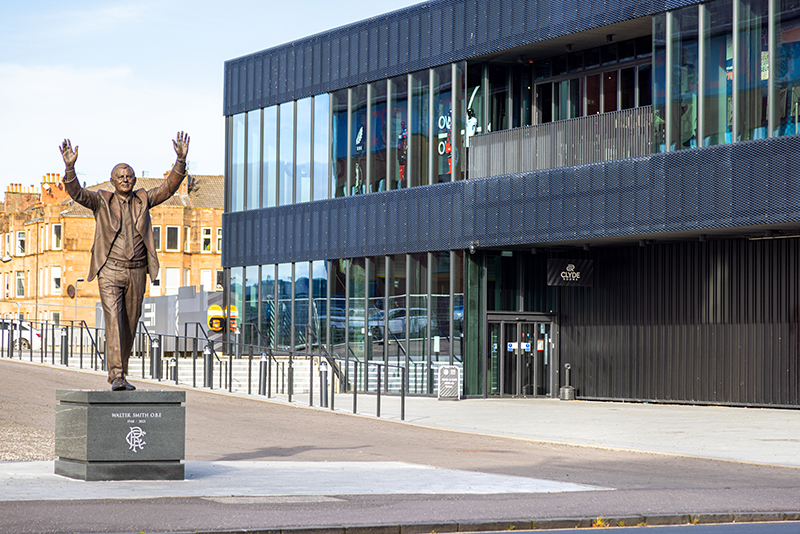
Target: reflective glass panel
420, 102
339, 143
283, 312
627, 86
498, 91
718, 83
440, 309
475, 99
321, 145
683, 98
356, 314
787, 68
253, 200
378, 133
236, 299
301, 310
358, 142
659, 81
393, 328
303, 151
458, 155
415, 324
458, 306
753, 73
267, 325
337, 312
286, 173
575, 98
593, 94
237, 161
544, 103
376, 305
269, 188
249, 327
398, 132
610, 91
319, 301
443, 117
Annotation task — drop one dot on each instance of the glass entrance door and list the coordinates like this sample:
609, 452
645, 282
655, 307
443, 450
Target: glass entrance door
518, 358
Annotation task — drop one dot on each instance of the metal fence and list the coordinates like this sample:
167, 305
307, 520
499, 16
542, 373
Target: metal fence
197, 361
603, 137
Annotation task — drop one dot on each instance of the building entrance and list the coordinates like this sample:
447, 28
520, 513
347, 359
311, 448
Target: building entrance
519, 356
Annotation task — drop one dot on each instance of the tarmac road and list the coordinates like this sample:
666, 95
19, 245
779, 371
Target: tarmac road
223, 428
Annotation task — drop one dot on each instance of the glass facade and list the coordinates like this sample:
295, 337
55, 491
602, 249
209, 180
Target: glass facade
719, 72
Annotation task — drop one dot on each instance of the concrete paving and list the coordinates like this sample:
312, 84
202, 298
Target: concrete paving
256, 463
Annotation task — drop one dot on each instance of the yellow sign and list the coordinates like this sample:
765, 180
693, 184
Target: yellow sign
216, 318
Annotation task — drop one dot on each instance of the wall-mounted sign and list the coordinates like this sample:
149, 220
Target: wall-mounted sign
570, 272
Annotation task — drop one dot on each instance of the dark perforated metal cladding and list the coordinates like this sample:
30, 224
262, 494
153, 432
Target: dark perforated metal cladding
421, 36
734, 185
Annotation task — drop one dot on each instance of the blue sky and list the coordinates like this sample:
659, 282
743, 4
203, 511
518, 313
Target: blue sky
120, 78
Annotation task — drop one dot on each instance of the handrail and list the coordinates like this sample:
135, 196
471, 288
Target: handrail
210, 343
96, 349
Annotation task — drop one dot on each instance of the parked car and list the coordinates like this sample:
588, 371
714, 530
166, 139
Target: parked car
25, 335
397, 321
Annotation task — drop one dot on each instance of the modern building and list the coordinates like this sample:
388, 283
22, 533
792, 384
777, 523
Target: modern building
529, 190
46, 240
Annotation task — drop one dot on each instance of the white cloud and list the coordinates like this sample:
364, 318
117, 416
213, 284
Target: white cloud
110, 113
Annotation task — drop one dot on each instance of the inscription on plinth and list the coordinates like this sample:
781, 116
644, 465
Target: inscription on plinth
120, 435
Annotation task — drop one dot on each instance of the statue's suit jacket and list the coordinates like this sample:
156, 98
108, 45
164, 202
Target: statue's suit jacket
106, 208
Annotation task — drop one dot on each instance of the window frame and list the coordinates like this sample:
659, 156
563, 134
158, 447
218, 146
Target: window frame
177, 247
55, 240
203, 237
157, 236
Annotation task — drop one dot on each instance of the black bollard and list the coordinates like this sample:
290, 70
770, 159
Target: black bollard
323, 384
64, 347
208, 368
262, 374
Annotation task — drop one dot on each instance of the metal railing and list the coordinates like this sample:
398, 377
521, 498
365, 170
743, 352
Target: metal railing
619, 134
167, 357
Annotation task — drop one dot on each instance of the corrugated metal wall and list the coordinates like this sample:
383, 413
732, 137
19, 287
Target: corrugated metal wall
421, 36
713, 322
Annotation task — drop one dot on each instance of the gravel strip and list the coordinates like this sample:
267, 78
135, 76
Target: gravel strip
21, 443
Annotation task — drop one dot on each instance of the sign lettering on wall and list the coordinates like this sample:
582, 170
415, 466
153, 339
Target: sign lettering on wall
570, 272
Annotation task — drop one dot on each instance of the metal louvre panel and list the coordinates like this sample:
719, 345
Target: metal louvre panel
602, 137
418, 37
742, 184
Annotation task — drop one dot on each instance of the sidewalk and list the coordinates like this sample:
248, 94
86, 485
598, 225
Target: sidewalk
474, 488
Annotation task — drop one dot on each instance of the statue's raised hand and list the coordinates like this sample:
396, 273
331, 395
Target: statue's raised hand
181, 145
70, 156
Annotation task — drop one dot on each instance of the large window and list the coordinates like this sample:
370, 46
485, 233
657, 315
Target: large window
303, 151
157, 237
21, 241
443, 123
683, 97
753, 70
253, 159
269, 189
787, 68
321, 146
237, 157
717, 84
55, 280
20, 283
56, 237
377, 136
205, 246
339, 143
173, 238
358, 140
398, 132
419, 133
286, 154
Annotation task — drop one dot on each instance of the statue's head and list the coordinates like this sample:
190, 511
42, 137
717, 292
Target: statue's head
123, 179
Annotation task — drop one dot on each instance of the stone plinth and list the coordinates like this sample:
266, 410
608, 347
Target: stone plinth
120, 435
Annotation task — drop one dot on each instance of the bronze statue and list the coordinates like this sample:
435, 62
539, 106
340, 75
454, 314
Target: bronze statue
124, 250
